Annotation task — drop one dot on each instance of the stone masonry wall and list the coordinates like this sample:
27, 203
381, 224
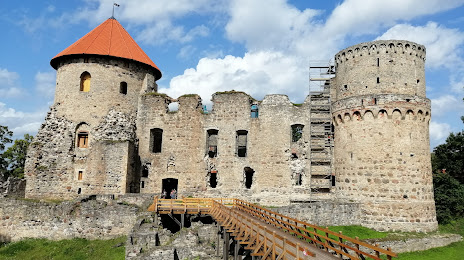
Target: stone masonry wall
91, 219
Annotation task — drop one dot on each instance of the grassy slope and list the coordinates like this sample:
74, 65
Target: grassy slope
77, 249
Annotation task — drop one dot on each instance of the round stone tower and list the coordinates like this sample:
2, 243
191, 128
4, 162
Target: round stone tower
381, 118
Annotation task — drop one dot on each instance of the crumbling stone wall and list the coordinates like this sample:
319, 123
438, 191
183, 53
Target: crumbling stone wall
12, 187
90, 219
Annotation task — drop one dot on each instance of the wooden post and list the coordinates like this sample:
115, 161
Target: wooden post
342, 248
236, 248
377, 253
182, 221
273, 245
218, 238
297, 251
389, 256
226, 244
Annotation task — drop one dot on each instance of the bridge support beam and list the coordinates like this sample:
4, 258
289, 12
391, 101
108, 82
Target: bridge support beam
182, 221
218, 238
226, 245
236, 248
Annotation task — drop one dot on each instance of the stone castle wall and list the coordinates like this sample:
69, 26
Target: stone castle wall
382, 156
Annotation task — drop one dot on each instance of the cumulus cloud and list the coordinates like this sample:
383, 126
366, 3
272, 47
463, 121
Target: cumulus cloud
9, 86
443, 44
45, 83
438, 132
367, 17
446, 103
21, 122
257, 74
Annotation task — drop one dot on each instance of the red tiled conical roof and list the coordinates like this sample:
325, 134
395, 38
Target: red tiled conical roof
110, 39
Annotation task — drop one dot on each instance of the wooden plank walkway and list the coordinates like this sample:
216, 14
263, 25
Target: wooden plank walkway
270, 235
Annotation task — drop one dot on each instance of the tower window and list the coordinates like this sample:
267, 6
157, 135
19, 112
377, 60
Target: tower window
85, 82
378, 80
297, 132
123, 88
241, 143
83, 140
254, 111
145, 171
378, 62
211, 142
213, 179
248, 172
156, 140
79, 175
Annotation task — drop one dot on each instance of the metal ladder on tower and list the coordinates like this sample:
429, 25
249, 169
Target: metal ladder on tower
321, 128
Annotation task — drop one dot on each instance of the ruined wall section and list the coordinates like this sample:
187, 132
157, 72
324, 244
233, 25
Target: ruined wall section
179, 156
382, 156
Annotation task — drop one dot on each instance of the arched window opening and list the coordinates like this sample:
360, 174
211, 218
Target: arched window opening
123, 88
241, 143
79, 191
211, 142
85, 82
254, 111
213, 179
156, 140
297, 132
248, 172
79, 175
83, 139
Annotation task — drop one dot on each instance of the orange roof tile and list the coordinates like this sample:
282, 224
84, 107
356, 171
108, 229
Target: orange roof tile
111, 39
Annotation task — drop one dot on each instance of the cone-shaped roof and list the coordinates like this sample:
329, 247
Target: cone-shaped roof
110, 39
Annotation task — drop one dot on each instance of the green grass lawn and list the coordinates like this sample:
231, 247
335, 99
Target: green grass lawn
77, 249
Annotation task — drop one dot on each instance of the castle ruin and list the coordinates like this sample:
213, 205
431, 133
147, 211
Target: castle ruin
363, 139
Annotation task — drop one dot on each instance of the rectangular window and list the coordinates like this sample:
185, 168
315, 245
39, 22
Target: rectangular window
242, 143
254, 111
83, 140
156, 140
79, 175
297, 132
211, 142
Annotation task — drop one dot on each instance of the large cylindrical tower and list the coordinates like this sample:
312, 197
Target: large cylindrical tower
381, 117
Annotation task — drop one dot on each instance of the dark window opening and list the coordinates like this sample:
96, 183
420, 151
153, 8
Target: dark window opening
248, 177
211, 142
213, 179
254, 111
169, 187
241, 143
79, 175
83, 140
378, 62
156, 140
294, 156
79, 191
375, 101
345, 86
142, 184
298, 179
123, 88
333, 180
297, 132
418, 81
145, 171
378, 80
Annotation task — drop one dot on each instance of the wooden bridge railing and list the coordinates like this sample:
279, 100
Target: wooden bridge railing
242, 219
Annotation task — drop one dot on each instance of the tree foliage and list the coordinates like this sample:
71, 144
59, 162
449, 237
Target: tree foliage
15, 156
449, 197
13, 159
450, 156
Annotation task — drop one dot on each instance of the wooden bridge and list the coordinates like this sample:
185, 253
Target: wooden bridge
270, 235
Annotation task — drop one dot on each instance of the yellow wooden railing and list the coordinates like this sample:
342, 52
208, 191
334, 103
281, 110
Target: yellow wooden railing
249, 224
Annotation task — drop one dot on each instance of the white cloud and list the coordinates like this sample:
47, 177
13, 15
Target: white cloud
45, 83
21, 122
257, 73
368, 16
9, 86
438, 132
443, 44
446, 103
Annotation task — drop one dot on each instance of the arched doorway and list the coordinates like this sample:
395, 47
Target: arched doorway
169, 184
248, 176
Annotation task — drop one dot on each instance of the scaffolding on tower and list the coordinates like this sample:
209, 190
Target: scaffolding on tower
321, 128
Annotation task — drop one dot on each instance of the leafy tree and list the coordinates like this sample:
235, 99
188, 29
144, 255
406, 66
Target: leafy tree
5, 135
450, 156
449, 197
15, 156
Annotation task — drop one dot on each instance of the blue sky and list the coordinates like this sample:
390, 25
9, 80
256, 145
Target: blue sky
203, 46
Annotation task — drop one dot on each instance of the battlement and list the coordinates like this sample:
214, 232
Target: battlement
381, 46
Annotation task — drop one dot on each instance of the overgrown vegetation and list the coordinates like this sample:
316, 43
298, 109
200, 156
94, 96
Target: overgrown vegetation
13, 159
77, 249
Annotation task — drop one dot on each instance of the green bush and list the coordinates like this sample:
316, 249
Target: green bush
449, 198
